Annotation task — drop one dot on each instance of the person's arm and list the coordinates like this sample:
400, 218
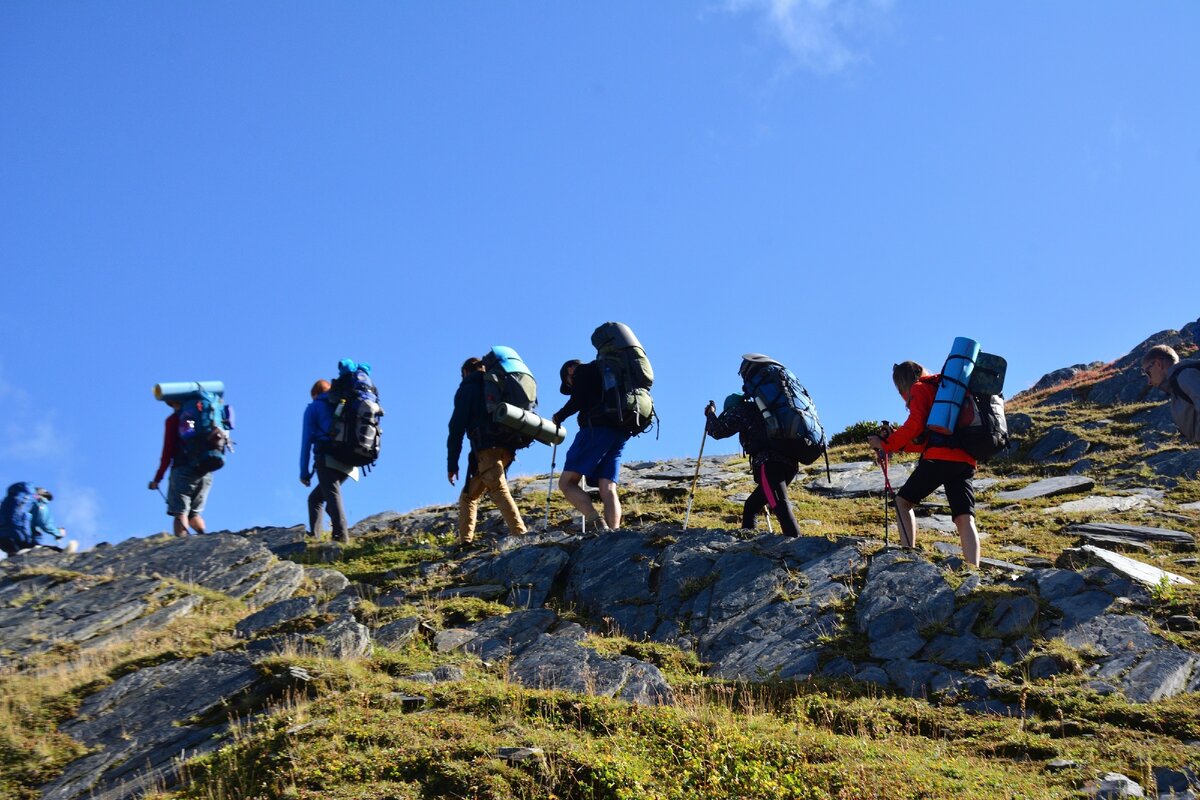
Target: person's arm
728, 423
43, 523
170, 442
306, 443
586, 391
458, 429
904, 437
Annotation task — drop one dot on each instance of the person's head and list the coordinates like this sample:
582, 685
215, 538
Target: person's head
319, 388
905, 374
43, 493
1157, 363
566, 374
472, 364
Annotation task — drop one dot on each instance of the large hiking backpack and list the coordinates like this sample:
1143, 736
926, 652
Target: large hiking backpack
16, 516
982, 428
507, 382
355, 435
626, 377
787, 408
204, 424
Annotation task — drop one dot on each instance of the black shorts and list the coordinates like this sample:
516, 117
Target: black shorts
954, 475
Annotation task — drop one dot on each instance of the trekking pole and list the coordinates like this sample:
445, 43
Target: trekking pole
163, 495
887, 495
767, 514
828, 474
696, 477
550, 483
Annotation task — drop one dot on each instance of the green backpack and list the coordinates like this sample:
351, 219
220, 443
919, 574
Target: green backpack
627, 377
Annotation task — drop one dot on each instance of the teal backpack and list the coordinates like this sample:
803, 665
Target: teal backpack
204, 424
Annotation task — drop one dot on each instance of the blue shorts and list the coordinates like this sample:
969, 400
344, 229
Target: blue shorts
596, 453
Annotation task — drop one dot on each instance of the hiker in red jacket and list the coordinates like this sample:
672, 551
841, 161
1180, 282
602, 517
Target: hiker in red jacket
940, 464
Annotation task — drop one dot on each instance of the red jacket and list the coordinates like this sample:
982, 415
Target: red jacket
170, 446
920, 401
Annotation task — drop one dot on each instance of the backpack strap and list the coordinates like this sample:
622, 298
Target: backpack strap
1177, 390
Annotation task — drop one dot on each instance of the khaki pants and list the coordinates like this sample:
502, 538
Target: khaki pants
488, 477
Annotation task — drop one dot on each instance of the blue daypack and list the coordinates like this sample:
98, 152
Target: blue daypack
16, 516
355, 437
786, 407
204, 424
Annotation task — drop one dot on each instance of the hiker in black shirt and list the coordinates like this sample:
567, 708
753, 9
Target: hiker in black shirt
595, 453
773, 468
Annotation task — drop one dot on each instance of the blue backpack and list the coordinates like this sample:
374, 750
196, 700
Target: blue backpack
356, 434
786, 407
16, 516
204, 424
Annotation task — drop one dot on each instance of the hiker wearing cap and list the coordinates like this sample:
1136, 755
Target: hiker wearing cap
595, 453
25, 518
187, 489
940, 464
1180, 380
772, 466
326, 496
488, 460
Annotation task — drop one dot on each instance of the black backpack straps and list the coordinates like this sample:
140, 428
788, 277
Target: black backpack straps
1176, 389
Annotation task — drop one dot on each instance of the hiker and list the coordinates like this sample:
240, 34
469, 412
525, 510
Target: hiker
326, 496
488, 459
188, 487
25, 518
1181, 381
596, 451
940, 464
770, 463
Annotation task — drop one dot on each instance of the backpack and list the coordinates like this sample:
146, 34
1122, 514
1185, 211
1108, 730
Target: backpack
626, 377
507, 381
982, 428
204, 424
16, 516
354, 437
786, 407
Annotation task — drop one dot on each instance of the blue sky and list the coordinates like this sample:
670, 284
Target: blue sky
251, 191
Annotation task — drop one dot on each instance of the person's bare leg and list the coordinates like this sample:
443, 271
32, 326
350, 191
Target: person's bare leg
197, 523
612, 503
968, 536
906, 521
179, 525
576, 495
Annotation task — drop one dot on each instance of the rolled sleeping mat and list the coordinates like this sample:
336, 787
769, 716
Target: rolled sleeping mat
179, 389
530, 424
952, 390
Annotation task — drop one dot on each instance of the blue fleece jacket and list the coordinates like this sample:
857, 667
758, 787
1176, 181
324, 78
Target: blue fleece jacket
318, 421
42, 523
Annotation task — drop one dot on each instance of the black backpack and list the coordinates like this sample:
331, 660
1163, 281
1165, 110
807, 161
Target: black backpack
507, 382
982, 428
1176, 390
626, 377
787, 409
355, 437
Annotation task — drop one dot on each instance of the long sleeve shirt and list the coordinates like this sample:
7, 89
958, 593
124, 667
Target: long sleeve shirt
170, 446
318, 421
467, 419
587, 394
42, 523
911, 437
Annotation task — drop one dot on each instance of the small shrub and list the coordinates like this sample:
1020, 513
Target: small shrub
855, 434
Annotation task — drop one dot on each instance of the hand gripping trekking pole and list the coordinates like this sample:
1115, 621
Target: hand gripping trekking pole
696, 478
550, 483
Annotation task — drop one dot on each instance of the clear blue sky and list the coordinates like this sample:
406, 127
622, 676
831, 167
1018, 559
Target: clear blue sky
251, 191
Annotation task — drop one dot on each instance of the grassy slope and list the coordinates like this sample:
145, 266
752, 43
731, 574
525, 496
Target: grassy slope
348, 737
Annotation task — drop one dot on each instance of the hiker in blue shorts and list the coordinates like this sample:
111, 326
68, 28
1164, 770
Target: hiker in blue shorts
596, 452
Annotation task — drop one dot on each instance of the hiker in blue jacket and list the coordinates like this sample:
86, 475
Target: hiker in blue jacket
25, 518
327, 494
